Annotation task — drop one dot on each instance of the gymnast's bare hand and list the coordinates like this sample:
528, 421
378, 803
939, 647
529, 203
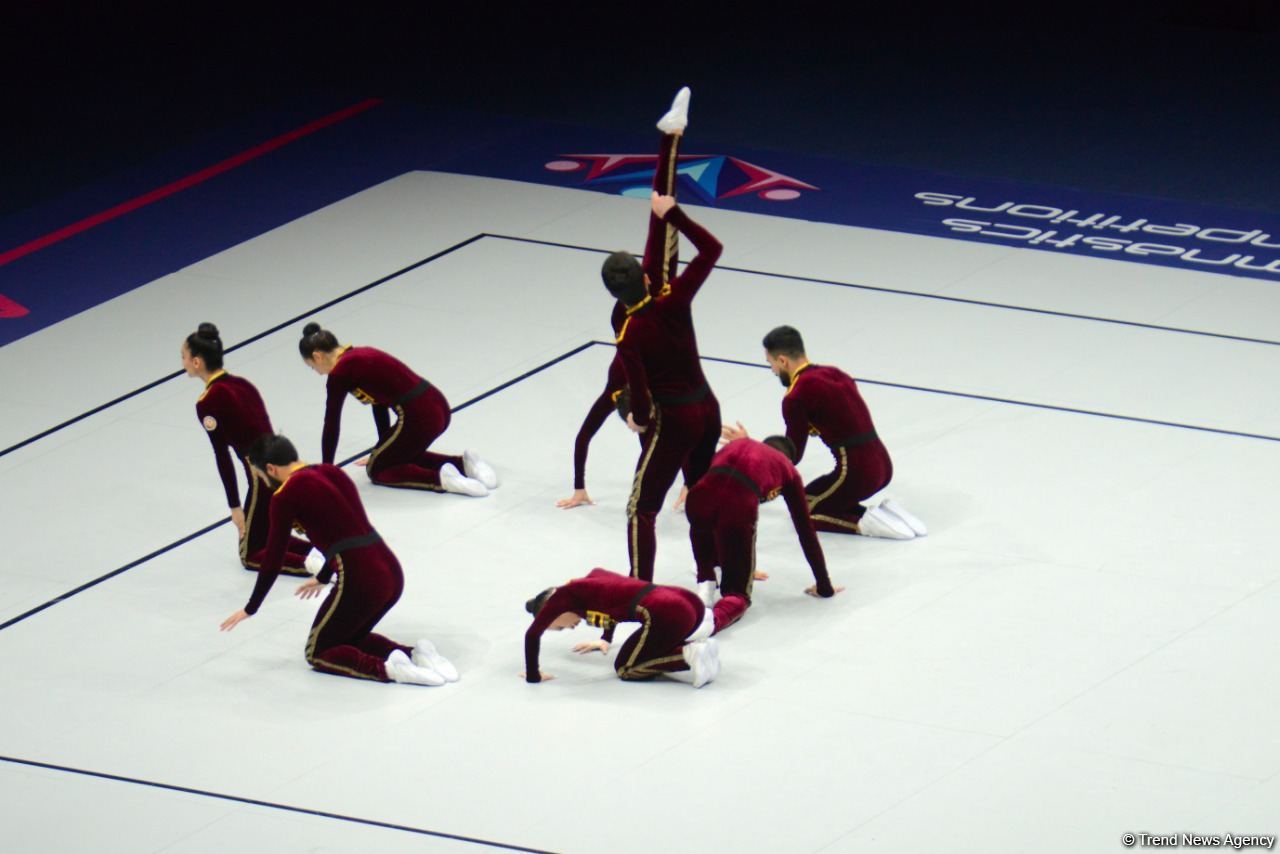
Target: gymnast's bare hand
309, 588
235, 619
763, 576
237, 519
728, 433
662, 205
578, 498
635, 428
591, 646
363, 461
812, 590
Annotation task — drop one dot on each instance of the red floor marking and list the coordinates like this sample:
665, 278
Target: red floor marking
176, 187
10, 309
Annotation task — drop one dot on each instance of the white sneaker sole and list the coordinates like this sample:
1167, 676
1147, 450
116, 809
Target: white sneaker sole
426, 656
910, 520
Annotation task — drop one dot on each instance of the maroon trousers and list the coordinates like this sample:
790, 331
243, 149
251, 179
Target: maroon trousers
342, 641
722, 515
835, 499
677, 437
401, 459
257, 515
667, 616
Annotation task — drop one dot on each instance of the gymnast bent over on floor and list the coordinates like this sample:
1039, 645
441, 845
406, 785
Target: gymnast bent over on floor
401, 458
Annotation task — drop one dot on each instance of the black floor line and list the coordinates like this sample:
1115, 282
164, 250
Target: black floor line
207, 528
186, 790
164, 379
924, 295
1027, 403
830, 282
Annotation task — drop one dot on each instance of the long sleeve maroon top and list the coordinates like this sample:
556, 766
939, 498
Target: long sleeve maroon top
825, 402
656, 343
234, 417
371, 377
319, 500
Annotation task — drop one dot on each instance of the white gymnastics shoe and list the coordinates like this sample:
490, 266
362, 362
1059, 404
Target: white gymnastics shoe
707, 592
401, 669
478, 469
455, 481
913, 522
425, 655
881, 523
703, 658
676, 118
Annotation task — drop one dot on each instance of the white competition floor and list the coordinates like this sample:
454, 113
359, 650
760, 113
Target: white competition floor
1084, 645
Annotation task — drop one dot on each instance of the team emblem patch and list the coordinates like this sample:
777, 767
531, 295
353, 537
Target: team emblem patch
210, 423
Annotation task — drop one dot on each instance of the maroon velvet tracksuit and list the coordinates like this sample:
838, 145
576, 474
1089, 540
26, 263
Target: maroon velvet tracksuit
667, 616
323, 501
824, 401
723, 509
233, 414
422, 414
670, 396
661, 257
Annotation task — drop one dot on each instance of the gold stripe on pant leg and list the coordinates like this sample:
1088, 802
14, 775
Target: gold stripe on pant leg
843, 455
646, 622
633, 524
254, 487
395, 434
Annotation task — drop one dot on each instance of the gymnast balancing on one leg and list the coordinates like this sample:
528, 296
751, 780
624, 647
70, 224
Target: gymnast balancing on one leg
323, 501
401, 458
661, 259
234, 417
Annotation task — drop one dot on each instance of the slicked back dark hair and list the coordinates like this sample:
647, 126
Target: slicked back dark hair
782, 443
784, 341
623, 277
276, 450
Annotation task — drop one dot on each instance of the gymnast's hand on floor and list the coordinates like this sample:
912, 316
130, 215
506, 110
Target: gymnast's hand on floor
309, 588
363, 461
762, 576
235, 619
237, 519
591, 646
578, 498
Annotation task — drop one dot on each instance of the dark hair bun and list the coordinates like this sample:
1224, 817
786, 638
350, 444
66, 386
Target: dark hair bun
208, 330
310, 329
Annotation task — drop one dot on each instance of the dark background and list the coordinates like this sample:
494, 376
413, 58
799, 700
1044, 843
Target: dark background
1179, 99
